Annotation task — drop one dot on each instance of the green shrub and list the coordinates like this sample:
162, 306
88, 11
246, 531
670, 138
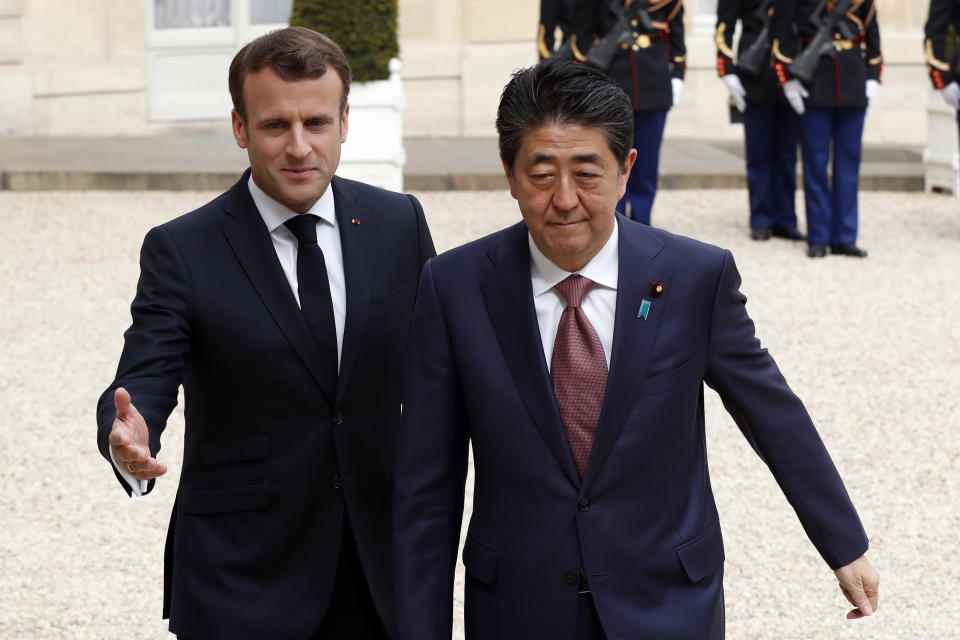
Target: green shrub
366, 30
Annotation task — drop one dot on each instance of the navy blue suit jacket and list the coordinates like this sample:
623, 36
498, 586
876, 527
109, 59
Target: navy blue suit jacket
642, 521
271, 457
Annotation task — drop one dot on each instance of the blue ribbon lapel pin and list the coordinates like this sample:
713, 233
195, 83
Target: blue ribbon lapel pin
644, 309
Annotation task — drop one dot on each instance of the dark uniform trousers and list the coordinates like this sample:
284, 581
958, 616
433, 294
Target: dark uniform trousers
771, 128
642, 183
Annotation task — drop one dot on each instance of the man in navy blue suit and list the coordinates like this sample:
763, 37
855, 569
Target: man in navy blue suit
283, 308
571, 350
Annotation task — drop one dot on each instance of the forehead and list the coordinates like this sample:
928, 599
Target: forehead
563, 141
266, 90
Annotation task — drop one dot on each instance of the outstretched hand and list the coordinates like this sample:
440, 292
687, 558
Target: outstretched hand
130, 440
859, 583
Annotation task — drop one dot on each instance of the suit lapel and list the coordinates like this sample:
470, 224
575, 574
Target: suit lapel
250, 240
508, 296
633, 336
358, 273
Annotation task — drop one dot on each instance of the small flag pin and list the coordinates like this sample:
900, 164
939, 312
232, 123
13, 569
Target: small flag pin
355, 220
657, 288
644, 309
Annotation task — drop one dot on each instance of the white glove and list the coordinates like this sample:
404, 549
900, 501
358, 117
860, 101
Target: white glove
677, 85
794, 92
737, 93
951, 95
873, 87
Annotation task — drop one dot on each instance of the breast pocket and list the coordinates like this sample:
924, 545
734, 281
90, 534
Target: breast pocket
683, 374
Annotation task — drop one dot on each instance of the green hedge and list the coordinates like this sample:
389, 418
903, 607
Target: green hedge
366, 30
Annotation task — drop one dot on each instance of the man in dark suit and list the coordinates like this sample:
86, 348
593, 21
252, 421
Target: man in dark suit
571, 350
283, 308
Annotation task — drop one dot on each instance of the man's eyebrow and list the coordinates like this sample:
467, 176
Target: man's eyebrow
537, 158
592, 158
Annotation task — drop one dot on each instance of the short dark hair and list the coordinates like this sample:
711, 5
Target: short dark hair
294, 53
563, 92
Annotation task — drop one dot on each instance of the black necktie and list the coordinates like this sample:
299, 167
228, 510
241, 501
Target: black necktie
314, 290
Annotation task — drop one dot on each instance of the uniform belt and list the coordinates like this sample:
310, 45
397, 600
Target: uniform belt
645, 40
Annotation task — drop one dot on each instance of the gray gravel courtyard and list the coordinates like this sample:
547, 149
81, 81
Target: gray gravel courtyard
872, 346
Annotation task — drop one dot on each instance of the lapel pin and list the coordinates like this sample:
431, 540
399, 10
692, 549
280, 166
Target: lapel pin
644, 309
355, 220
657, 288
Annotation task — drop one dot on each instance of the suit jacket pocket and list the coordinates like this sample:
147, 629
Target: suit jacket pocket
245, 497
233, 462
666, 380
480, 560
388, 301
245, 449
703, 555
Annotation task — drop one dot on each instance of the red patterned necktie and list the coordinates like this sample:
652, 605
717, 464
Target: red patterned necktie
578, 370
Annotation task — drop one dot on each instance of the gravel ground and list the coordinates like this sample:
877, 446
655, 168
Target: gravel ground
872, 346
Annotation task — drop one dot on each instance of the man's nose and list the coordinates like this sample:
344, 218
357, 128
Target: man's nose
565, 196
297, 145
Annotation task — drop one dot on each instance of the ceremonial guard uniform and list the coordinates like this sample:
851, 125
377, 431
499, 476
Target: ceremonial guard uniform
771, 127
554, 14
943, 72
835, 99
649, 65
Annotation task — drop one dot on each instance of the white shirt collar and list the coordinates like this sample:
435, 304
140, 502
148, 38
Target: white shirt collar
275, 214
603, 269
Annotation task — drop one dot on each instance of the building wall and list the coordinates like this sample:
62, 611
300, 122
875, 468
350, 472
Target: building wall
79, 68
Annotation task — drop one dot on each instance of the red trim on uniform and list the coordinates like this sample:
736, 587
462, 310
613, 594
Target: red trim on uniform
721, 66
937, 76
880, 73
781, 70
633, 76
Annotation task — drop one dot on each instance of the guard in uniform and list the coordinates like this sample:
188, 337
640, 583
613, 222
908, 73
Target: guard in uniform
944, 73
649, 65
771, 127
833, 105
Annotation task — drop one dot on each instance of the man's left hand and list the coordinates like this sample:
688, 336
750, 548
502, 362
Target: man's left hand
859, 583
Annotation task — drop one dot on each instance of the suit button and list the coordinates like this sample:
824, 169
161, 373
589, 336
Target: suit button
570, 577
338, 418
583, 505
335, 481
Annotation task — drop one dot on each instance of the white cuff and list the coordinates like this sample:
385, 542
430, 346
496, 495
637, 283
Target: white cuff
139, 487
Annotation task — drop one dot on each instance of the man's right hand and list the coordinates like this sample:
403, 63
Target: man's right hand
130, 440
794, 92
951, 95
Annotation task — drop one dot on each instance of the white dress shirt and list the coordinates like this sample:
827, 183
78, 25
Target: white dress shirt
599, 305
274, 215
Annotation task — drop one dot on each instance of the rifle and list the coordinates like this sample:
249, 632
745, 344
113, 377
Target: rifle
602, 52
753, 59
804, 66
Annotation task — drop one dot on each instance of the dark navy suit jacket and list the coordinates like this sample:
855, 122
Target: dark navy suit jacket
271, 457
642, 521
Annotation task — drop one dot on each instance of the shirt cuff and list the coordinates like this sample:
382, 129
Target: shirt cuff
138, 487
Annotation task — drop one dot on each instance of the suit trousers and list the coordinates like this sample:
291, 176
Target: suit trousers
772, 134
832, 207
642, 183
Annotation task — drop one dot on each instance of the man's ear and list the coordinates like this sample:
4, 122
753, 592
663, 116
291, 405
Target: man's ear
625, 173
509, 174
239, 129
343, 123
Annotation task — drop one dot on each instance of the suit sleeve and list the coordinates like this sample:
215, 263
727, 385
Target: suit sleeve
426, 247
935, 43
155, 345
786, 43
727, 12
778, 427
429, 476
676, 43
871, 38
